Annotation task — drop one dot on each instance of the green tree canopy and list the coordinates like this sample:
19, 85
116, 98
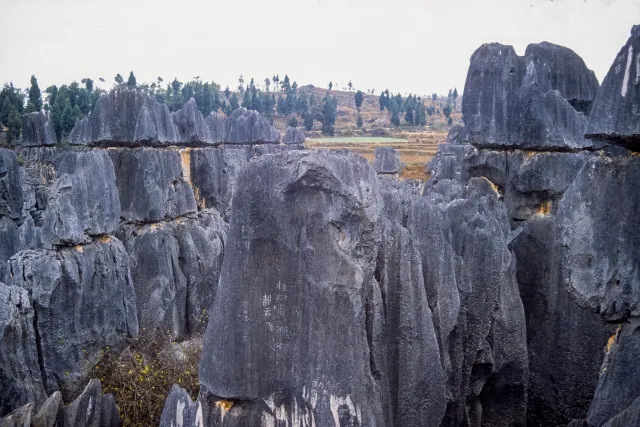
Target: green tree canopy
35, 97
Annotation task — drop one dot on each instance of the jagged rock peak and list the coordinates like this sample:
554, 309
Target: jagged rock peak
537, 101
128, 117
294, 135
615, 116
387, 161
37, 130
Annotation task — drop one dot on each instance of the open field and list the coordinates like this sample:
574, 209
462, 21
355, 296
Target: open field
416, 148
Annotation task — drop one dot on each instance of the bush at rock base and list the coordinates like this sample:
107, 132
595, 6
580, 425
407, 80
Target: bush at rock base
141, 376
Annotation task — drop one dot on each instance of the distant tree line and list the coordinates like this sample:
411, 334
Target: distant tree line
67, 103
412, 108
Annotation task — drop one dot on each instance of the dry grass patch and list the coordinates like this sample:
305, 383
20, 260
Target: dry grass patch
141, 376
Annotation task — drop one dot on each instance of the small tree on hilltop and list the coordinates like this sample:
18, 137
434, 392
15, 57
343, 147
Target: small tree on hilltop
132, 80
118, 78
330, 85
359, 97
350, 85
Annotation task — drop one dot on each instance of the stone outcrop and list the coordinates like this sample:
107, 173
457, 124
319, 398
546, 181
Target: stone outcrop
151, 185
387, 161
180, 410
615, 117
289, 307
20, 374
175, 267
37, 130
294, 135
90, 409
11, 198
84, 301
535, 102
128, 117
381, 295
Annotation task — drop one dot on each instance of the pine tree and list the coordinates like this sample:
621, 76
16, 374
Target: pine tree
227, 92
233, 102
359, 97
395, 113
308, 121
455, 97
293, 122
359, 122
35, 97
132, 80
330, 86
119, 80
329, 113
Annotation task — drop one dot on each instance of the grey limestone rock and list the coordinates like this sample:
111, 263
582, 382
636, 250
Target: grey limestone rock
11, 198
615, 117
153, 184
92, 409
249, 127
21, 417
597, 223
387, 160
84, 300
619, 382
175, 267
20, 376
448, 163
294, 135
180, 410
630, 417
537, 101
37, 130
128, 117
278, 305
82, 200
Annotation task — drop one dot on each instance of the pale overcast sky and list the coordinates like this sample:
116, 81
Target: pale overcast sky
418, 46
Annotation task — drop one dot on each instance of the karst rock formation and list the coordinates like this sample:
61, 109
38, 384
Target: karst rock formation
503, 291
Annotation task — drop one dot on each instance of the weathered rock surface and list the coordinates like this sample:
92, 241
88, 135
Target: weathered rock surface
20, 375
630, 417
21, 417
180, 410
37, 130
615, 117
84, 300
11, 198
83, 201
129, 117
564, 340
619, 383
175, 267
278, 305
477, 310
90, 409
597, 226
152, 184
537, 101
294, 135
448, 163
387, 160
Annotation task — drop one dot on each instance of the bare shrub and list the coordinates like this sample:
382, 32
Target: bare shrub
141, 376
